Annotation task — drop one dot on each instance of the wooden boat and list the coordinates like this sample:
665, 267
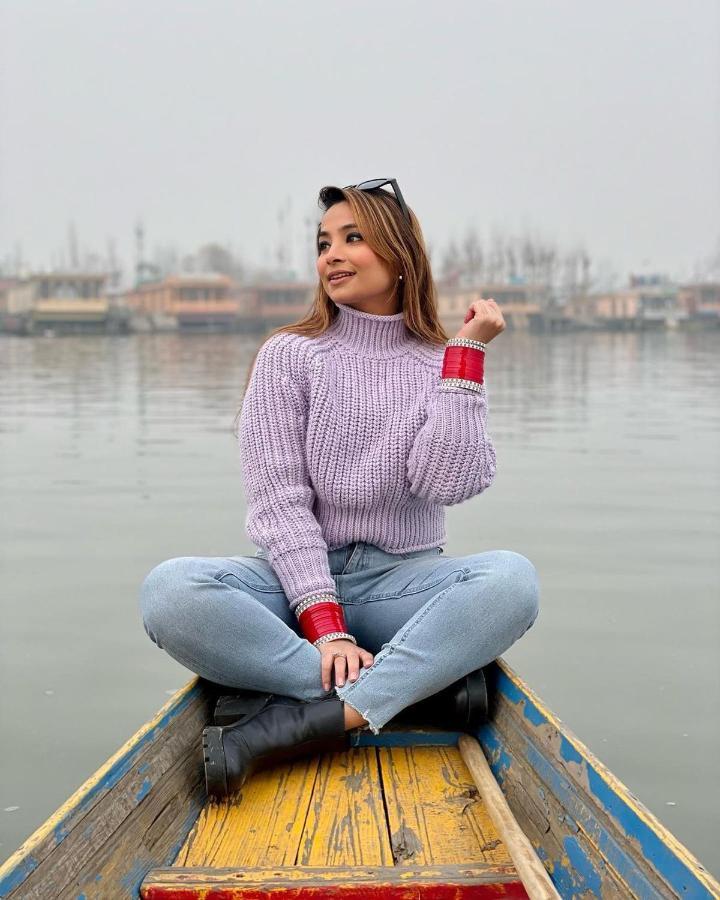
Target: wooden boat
399, 815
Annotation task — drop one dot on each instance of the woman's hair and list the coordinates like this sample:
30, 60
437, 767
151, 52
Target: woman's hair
396, 241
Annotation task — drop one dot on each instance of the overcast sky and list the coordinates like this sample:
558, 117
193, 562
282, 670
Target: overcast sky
588, 123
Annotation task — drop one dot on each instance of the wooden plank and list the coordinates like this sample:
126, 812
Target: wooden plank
574, 863
531, 871
354, 883
260, 826
434, 812
346, 823
83, 834
117, 869
603, 826
557, 816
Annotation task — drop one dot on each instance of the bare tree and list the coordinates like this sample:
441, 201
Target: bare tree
217, 258
73, 247
528, 257
708, 269
472, 258
451, 266
511, 261
496, 261
585, 264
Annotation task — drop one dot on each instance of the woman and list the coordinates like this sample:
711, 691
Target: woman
359, 424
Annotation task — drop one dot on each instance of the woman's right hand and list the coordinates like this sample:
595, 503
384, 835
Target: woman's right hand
343, 659
483, 321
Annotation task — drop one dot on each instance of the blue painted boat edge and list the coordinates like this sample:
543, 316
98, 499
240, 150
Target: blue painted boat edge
672, 861
575, 872
22, 863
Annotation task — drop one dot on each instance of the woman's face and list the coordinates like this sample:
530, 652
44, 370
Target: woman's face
341, 248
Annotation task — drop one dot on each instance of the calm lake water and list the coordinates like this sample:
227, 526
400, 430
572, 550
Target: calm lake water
117, 453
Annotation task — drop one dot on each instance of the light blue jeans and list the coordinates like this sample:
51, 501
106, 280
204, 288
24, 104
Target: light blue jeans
427, 618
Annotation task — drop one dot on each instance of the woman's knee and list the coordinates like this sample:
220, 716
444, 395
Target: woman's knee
516, 586
523, 587
164, 593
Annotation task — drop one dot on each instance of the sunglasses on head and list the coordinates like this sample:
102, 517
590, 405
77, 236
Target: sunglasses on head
376, 183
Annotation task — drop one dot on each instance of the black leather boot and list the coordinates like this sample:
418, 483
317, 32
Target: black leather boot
231, 708
462, 706
282, 729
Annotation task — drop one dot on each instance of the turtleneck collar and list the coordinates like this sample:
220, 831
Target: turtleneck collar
370, 334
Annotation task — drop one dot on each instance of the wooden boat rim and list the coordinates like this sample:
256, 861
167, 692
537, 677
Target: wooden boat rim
21, 863
615, 785
172, 707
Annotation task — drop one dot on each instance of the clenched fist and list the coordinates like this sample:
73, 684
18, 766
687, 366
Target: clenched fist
483, 321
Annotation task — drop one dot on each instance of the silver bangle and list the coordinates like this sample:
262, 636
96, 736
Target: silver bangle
312, 601
334, 636
466, 342
447, 383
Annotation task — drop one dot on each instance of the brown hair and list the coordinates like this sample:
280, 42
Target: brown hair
396, 241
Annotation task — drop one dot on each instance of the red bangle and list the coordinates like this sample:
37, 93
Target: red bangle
464, 362
320, 619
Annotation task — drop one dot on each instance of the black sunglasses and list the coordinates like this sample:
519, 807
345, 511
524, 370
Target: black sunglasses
376, 183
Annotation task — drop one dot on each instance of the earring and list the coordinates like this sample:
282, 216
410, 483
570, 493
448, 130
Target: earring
400, 278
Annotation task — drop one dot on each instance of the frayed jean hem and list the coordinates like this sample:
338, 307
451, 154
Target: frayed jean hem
366, 714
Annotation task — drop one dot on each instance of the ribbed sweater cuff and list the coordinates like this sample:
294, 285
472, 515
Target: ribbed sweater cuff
304, 572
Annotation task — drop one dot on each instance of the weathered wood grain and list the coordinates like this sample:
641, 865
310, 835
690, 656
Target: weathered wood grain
546, 782
88, 827
150, 833
349, 883
435, 814
346, 822
260, 826
531, 871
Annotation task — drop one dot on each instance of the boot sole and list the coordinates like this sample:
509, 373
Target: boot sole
215, 769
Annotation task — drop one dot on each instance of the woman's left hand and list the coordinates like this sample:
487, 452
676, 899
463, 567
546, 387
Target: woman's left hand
483, 321
340, 657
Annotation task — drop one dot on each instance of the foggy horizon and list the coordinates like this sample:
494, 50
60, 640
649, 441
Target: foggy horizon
589, 129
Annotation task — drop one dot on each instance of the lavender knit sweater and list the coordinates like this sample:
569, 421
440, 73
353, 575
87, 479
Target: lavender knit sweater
354, 436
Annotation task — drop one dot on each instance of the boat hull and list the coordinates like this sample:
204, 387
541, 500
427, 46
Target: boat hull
127, 831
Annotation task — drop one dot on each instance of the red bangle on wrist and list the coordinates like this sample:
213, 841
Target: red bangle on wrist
320, 619
467, 363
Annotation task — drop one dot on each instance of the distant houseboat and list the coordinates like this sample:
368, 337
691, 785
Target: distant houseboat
187, 302
59, 302
701, 303
270, 304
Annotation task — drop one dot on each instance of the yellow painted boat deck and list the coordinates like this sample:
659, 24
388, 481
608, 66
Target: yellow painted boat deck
369, 806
